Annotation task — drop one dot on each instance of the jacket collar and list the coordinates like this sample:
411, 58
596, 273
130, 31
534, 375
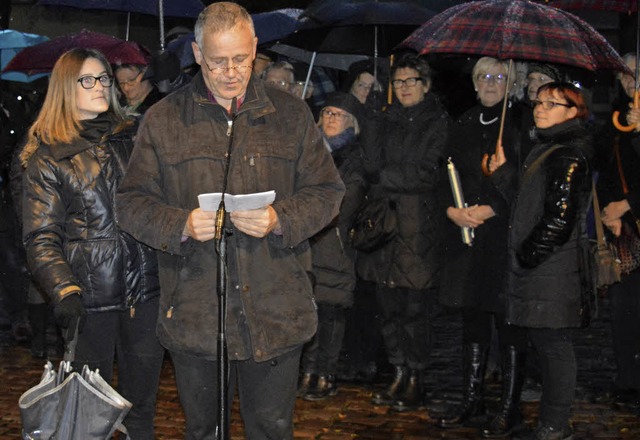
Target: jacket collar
256, 102
92, 132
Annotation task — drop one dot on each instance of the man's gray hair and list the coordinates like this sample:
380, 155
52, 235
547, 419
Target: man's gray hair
221, 16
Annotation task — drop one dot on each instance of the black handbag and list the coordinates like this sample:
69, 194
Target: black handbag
375, 224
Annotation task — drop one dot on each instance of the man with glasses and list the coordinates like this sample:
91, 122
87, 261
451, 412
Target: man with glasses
227, 132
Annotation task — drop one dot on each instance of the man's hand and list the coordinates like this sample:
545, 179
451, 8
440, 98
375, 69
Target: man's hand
70, 313
200, 225
256, 222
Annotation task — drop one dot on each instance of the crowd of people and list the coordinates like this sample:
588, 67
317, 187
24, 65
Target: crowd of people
105, 175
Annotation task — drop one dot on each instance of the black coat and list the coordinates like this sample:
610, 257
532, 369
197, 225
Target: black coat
548, 225
406, 167
69, 220
473, 276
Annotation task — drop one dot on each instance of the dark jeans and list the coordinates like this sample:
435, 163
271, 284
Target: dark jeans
625, 322
559, 374
406, 328
321, 354
139, 355
267, 392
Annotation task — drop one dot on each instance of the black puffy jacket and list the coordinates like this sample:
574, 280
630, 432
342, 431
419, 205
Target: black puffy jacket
547, 228
69, 220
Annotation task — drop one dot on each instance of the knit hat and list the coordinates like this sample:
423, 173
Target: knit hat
344, 101
546, 69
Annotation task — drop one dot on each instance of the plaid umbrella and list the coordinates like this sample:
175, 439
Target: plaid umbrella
41, 57
624, 6
515, 29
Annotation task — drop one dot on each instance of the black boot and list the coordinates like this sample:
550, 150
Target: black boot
475, 365
395, 388
38, 321
324, 387
509, 416
306, 381
412, 398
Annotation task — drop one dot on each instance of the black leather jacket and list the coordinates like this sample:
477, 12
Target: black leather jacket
69, 220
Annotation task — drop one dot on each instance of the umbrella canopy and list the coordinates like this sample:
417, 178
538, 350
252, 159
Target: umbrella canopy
331, 60
42, 57
515, 29
368, 28
12, 42
171, 8
75, 407
624, 6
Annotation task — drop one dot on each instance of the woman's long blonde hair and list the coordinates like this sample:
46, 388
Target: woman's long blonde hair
59, 119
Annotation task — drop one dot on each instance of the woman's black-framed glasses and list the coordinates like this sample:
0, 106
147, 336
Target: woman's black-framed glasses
548, 105
409, 82
89, 82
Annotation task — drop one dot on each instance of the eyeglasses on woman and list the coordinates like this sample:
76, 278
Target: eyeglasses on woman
89, 82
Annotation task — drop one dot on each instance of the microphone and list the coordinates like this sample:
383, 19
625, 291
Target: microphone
220, 213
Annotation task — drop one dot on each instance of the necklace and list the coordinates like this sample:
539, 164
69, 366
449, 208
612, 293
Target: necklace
483, 122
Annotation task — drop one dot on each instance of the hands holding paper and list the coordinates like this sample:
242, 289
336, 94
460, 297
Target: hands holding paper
254, 222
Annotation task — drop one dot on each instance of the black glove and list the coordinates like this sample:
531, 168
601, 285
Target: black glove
165, 66
69, 313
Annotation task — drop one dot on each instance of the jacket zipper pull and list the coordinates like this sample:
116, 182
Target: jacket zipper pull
252, 161
132, 312
170, 312
229, 126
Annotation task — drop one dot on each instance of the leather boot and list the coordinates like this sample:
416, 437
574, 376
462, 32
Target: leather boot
38, 321
509, 416
395, 388
324, 387
412, 398
306, 381
475, 365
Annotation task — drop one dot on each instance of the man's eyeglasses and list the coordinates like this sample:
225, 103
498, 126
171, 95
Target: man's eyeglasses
548, 105
329, 114
219, 70
284, 84
487, 78
89, 82
409, 82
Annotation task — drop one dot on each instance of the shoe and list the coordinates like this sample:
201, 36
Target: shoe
324, 387
546, 432
307, 380
412, 398
395, 388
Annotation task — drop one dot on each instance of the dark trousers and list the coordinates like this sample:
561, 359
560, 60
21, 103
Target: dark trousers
478, 326
133, 341
267, 392
625, 322
559, 374
321, 354
406, 328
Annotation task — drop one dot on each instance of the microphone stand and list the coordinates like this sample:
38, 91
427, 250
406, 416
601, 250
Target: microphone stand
221, 248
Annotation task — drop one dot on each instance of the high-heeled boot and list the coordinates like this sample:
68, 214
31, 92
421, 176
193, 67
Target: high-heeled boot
324, 387
395, 388
412, 398
475, 365
509, 416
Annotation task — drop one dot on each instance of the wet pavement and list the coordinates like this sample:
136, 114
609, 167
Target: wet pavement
349, 415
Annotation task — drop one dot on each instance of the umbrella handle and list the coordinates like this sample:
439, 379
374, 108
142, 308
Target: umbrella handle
485, 165
616, 115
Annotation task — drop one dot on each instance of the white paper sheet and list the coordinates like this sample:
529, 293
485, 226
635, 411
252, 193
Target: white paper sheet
238, 202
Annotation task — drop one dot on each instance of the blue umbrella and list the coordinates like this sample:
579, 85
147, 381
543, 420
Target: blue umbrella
270, 26
12, 42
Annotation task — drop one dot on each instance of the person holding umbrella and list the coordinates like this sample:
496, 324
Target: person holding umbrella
103, 283
405, 166
547, 279
473, 276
